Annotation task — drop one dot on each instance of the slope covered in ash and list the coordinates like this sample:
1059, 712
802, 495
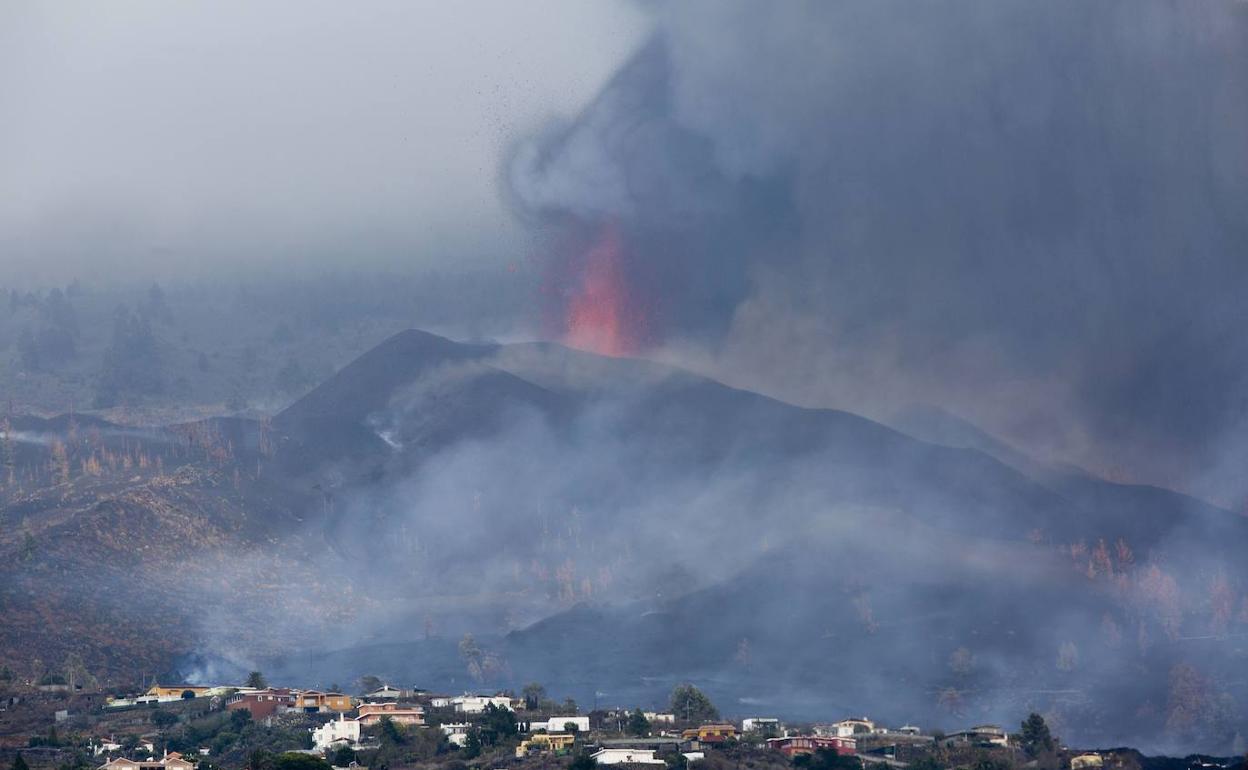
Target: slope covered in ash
416, 397
709, 532
610, 525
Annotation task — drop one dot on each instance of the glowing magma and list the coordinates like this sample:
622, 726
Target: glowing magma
601, 315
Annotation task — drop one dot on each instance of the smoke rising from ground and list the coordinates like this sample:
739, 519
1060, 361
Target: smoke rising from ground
605, 525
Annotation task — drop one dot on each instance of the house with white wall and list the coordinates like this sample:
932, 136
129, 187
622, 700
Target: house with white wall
560, 724
626, 757
340, 730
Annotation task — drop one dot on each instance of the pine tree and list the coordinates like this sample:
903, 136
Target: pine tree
1035, 736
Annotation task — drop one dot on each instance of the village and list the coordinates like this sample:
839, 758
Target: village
262, 727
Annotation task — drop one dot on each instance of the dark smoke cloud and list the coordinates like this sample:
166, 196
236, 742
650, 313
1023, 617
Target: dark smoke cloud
1033, 213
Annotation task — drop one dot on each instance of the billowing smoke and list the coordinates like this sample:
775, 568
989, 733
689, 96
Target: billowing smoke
1031, 213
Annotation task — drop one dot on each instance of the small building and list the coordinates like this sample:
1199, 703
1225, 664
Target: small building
560, 724
474, 704
626, 757
262, 703
793, 745
178, 690
848, 728
456, 733
172, 761
768, 726
386, 692
106, 747
1089, 761
981, 735
315, 702
711, 733
546, 743
372, 713
657, 718
338, 731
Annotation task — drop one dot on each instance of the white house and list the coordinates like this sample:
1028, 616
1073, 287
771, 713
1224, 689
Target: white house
656, 718
559, 724
457, 733
107, 747
848, 728
387, 692
339, 730
475, 704
626, 757
768, 725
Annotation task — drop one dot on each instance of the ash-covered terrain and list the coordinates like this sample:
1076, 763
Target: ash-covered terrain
610, 526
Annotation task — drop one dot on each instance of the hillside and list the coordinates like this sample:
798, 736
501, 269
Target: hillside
608, 525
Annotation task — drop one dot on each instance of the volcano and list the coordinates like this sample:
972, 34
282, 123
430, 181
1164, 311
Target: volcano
611, 525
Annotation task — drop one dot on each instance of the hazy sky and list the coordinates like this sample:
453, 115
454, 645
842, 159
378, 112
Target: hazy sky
148, 134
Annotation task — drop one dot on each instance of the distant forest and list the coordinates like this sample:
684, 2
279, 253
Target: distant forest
151, 351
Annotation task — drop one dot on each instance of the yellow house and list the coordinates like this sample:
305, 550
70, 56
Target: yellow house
315, 700
176, 690
556, 743
712, 733
1086, 762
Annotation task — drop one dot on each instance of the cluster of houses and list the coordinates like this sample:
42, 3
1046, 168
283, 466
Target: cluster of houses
550, 735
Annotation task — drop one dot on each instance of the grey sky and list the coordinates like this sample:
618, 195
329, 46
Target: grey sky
174, 136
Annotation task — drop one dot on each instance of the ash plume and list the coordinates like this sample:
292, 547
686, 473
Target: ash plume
1030, 213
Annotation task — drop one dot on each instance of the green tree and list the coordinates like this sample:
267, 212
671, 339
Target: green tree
28, 350
390, 731
188, 695
826, 759
164, 719
19, 762
132, 362
259, 759
239, 718
990, 763
1035, 737
533, 694
497, 723
370, 683
583, 761
255, 680
472, 744
638, 724
293, 760
691, 704
344, 756
927, 762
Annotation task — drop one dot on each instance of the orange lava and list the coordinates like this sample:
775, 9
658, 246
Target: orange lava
600, 316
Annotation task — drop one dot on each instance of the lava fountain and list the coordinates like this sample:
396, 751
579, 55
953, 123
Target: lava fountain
601, 311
